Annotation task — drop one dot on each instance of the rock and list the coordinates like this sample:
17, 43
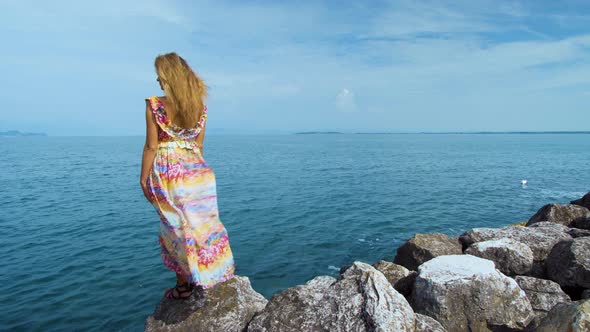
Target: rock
467, 293
511, 257
540, 239
543, 295
569, 263
571, 317
581, 223
586, 294
361, 299
427, 324
548, 224
584, 201
401, 278
576, 232
228, 306
572, 231
560, 214
423, 247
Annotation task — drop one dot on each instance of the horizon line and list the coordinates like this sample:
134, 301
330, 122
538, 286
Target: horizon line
333, 132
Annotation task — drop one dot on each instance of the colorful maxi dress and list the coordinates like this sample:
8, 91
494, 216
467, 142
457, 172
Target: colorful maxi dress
182, 187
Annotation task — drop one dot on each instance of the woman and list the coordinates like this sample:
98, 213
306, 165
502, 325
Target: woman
177, 181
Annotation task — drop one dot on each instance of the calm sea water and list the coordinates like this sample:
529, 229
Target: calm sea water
79, 242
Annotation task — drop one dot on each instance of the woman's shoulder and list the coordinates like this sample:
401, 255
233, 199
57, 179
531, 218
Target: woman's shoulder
156, 101
156, 97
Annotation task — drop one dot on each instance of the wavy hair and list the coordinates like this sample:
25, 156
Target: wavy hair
185, 90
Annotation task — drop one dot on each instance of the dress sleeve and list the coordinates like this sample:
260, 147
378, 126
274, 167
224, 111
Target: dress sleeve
158, 110
201, 122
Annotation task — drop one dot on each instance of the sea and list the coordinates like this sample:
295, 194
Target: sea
79, 240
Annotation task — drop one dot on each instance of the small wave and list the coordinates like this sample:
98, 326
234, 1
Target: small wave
562, 194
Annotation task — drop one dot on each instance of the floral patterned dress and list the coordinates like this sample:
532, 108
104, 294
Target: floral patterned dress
183, 191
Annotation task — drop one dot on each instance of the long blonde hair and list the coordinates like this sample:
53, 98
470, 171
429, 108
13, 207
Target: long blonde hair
185, 90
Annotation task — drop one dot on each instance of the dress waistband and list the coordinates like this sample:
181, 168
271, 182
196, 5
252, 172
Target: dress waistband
179, 144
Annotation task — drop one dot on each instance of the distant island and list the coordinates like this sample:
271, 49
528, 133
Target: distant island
15, 133
445, 132
475, 132
510, 132
317, 132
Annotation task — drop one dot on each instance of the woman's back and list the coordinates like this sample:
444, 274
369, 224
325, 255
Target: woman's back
168, 131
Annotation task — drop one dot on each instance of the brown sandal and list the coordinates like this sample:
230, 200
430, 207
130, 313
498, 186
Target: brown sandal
183, 291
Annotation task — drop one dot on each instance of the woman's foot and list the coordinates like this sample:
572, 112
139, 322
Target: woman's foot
179, 292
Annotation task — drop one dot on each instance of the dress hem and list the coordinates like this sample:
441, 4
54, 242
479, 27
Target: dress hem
177, 269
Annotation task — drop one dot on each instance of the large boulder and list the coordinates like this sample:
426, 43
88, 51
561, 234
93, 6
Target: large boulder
539, 239
569, 263
572, 231
543, 295
361, 299
427, 324
401, 278
511, 257
228, 306
560, 214
584, 201
570, 317
423, 247
467, 293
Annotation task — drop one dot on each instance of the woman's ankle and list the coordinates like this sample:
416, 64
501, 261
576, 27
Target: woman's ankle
180, 279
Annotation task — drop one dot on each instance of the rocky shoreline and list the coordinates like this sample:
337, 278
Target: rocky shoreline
532, 276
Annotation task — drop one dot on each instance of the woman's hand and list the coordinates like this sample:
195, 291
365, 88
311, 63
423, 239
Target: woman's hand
145, 189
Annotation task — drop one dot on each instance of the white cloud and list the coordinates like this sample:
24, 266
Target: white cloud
410, 19
345, 101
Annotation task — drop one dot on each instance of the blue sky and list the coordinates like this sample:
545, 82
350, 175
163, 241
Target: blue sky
84, 68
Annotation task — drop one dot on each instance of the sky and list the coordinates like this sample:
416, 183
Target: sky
86, 67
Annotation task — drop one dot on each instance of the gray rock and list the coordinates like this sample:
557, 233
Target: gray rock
427, 324
583, 223
569, 263
576, 232
511, 257
560, 214
586, 294
572, 231
423, 247
401, 278
543, 295
570, 317
540, 239
548, 224
467, 293
584, 201
361, 299
228, 306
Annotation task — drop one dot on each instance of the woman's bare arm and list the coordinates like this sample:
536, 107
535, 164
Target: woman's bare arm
201, 138
150, 147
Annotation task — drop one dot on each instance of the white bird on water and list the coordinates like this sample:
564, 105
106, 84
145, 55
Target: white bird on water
524, 182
